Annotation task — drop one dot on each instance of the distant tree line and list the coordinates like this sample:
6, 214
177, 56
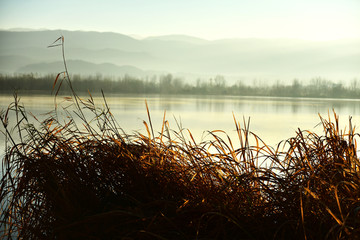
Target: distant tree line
168, 84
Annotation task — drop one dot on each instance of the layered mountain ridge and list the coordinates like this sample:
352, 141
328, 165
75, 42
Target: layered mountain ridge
118, 54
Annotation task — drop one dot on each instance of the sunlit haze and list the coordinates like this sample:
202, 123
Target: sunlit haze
208, 19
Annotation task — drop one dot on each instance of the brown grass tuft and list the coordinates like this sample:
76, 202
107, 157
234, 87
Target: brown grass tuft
63, 180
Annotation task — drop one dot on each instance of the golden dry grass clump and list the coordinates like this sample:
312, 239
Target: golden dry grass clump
66, 177
92, 181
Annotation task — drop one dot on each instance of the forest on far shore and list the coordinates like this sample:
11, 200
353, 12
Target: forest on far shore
168, 84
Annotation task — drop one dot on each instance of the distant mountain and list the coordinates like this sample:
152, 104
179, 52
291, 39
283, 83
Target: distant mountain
178, 38
84, 68
10, 63
265, 59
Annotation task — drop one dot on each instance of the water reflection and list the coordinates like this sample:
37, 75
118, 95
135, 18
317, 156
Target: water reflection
273, 119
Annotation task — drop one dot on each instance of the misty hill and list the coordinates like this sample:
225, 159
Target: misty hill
10, 63
268, 59
178, 38
85, 68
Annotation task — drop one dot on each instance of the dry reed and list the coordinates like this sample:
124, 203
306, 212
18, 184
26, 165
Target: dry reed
63, 180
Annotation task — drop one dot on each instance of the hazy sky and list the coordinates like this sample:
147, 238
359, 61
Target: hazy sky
209, 19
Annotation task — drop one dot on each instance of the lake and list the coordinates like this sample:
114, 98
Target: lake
272, 119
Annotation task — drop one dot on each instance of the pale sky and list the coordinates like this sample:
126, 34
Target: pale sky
209, 19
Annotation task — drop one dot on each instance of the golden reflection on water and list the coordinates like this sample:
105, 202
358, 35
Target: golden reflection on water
272, 119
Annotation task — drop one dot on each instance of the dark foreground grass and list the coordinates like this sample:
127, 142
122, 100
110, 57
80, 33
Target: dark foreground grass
93, 181
76, 177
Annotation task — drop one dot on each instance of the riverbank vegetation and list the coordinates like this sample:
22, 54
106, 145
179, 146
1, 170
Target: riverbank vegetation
76, 177
168, 84
80, 178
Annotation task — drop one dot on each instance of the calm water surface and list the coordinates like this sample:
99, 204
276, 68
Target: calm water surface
272, 119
